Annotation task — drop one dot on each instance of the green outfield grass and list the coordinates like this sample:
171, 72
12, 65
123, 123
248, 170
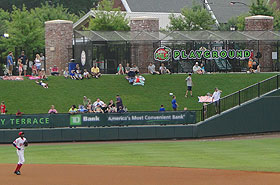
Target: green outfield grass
251, 155
31, 98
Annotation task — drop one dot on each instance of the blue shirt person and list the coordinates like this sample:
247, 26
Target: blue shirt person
174, 103
162, 109
10, 59
10, 62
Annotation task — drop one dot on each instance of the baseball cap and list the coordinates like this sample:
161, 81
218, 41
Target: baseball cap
20, 133
196, 63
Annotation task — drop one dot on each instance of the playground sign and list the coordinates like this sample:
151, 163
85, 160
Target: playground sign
165, 53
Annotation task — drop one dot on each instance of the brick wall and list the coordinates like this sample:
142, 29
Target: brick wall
58, 43
261, 23
142, 52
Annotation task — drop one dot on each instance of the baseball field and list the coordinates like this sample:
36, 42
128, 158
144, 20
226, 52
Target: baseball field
250, 160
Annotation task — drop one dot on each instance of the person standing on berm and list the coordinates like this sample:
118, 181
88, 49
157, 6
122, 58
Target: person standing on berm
20, 143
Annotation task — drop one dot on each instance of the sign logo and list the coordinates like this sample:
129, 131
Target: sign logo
75, 120
162, 54
83, 58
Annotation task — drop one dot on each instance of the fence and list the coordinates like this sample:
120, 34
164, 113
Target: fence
239, 97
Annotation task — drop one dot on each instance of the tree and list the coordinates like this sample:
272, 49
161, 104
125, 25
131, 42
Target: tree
73, 6
25, 31
4, 17
261, 8
49, 12
195, 18
108, 18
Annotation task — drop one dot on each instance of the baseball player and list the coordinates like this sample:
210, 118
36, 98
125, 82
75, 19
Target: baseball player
20, 143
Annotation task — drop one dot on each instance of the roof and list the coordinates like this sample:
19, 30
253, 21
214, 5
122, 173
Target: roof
163, 17
114, 36
223, 10
159, 5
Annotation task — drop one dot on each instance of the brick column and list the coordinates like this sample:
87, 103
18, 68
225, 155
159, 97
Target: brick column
58, 43
261, 23
142, 52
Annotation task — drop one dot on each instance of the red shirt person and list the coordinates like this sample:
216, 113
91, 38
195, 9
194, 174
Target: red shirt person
3, 108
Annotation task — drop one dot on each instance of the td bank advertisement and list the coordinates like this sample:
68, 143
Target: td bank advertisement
95, 120
135, 118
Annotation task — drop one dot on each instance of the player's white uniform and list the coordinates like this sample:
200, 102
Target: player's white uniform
19, 144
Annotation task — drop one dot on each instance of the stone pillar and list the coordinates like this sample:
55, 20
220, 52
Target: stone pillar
261, 23
144, 24
142, 52
58, 43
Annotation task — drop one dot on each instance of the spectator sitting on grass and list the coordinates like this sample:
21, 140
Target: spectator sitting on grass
197, 69
19, 113
73, 109
72, 75
66, 72
42, 74
34, 70
130, 76
256, 67
121, 110
127, 68
78, 74
95, 72
112, 106
202, 68
98, 103
3, 107
89, 108
98, 110
82, 109
120, 70
152, 69
135, 69
163, 69
52, 110
45, 85
54, 71
86, 74
161, 108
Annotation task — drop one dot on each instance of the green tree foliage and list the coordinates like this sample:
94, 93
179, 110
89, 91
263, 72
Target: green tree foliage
108, 18
26, 28
24, 31
195, 18
261, 8
49, 12
4, 17
73, 6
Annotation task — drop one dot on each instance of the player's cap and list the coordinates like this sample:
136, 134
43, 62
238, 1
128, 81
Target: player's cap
20, 133
196, 63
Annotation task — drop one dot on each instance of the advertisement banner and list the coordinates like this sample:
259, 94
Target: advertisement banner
96, 120
34, 121
134, 118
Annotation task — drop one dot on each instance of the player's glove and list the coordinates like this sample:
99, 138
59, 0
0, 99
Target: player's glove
25, 143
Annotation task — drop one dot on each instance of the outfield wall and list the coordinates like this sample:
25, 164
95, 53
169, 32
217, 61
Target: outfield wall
257, 116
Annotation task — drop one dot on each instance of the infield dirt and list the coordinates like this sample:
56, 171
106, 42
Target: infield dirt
45, 174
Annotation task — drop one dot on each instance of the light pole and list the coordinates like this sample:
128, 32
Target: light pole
237, 2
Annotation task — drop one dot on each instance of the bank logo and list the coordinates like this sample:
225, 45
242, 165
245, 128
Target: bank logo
75, 120
162, 54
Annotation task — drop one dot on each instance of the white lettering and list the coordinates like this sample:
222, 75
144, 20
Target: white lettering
95, 118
